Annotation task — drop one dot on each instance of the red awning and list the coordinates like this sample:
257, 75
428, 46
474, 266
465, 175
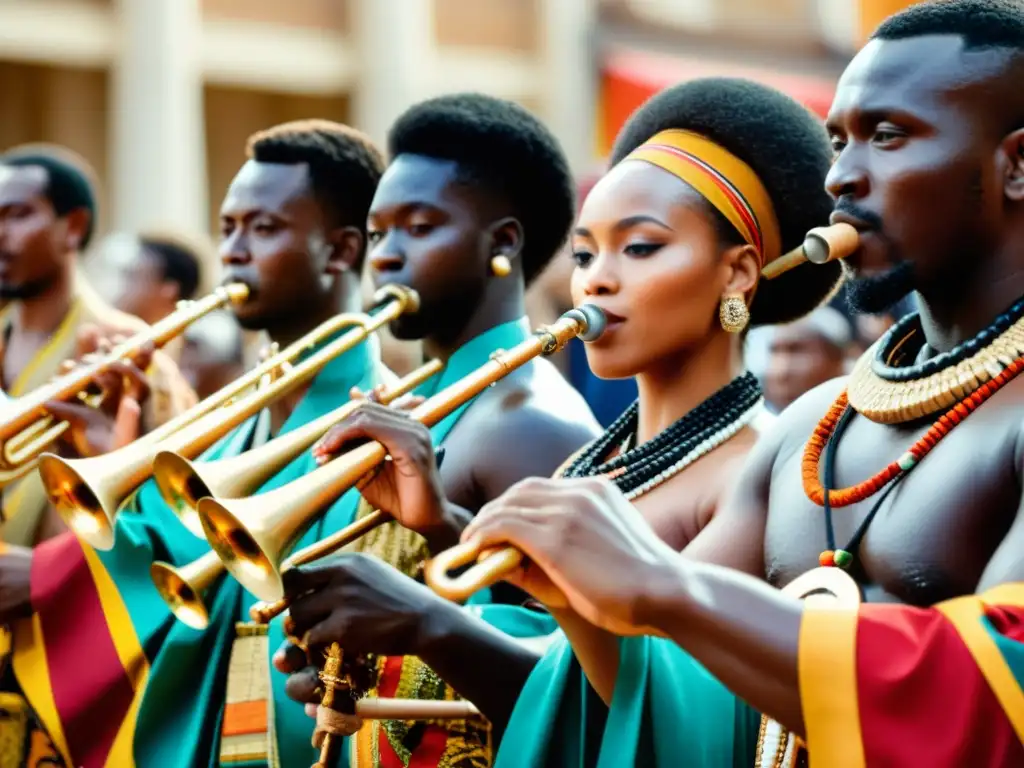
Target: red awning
629, 78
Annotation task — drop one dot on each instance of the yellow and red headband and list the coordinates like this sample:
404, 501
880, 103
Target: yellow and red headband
723, 180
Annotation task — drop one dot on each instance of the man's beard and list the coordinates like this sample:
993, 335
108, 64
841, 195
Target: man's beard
24, 291
876, 294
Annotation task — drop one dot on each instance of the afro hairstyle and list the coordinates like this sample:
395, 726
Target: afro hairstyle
501, 148
981, 23
70, 180
344, 164
785, 145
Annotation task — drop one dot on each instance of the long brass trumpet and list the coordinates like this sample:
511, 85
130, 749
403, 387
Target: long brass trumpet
253, 535
25, 427
88, 492
183, 588
183, 482
822, 245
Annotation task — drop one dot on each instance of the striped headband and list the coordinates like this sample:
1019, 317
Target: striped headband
723, 180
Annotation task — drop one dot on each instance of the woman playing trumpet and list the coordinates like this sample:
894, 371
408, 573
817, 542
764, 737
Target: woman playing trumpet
713, 181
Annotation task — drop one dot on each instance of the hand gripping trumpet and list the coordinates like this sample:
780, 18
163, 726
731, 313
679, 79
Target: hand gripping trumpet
821, 246
182, 588
25, 427
183, 483
252, 535
88, 492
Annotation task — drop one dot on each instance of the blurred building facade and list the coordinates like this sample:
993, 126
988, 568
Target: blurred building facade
160, 94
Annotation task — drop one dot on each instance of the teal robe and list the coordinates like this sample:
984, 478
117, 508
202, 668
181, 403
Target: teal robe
170, 712
666, 711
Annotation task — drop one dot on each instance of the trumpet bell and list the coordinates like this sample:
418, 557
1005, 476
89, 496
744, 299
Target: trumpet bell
250, 553
81, 505
181, 487
183, 600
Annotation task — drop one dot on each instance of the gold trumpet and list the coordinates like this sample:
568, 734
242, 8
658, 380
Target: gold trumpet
88, 492
252, 535
183, 588
822, 245
183, 483
26, 429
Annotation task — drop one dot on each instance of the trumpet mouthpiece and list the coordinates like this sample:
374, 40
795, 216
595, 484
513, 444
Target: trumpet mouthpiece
822, 245
592, 319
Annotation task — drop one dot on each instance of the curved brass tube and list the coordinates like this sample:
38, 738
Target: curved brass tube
88, 492
25, 427
491, 567
252, 535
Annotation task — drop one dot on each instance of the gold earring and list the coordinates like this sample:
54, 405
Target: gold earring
500, 266
733, 313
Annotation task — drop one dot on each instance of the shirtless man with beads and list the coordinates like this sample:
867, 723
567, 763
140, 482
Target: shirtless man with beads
920, 450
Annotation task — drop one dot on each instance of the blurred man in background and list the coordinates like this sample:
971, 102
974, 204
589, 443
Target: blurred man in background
806, 353
47, 218
160, 269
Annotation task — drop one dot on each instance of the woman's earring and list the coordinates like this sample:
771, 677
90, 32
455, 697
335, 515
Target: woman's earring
733, 313
500, 266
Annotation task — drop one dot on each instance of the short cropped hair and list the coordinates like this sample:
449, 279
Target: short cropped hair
981, 23
504, 150
345, 165
181, 258
786, 146
70, 180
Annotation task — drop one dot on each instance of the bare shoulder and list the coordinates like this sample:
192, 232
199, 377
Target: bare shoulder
542, 406
795, 423
532, 424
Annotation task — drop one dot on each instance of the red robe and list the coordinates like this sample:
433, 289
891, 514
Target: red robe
889, 685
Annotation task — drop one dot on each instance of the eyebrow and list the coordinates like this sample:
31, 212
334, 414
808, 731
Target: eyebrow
405, 208
626, 223
874, 113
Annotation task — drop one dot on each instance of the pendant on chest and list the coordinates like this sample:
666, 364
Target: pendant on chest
778, 747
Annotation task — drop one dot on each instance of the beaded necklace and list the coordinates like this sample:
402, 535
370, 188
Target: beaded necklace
826, 437
637, 470
893, 394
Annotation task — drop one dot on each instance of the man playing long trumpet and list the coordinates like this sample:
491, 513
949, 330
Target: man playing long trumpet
47, 218
476, 201
902, 483
292, 231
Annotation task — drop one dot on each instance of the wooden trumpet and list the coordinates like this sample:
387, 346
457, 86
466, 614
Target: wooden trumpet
822, 245
252, 535
88, 492
183, 588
